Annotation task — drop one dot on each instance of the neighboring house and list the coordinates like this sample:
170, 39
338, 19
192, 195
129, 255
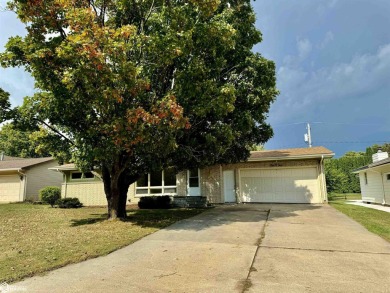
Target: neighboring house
278, 176
375, 179
21, 179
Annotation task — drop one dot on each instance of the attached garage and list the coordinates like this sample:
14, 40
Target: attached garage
286, 185
21, 179
270, 176
10, 186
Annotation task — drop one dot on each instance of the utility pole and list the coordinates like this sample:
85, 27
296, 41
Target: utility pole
308, 135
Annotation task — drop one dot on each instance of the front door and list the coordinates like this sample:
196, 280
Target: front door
193, 182
228, 186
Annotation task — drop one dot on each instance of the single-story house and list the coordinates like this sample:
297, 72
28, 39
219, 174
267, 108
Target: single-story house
277, 176
21, 179
375, 179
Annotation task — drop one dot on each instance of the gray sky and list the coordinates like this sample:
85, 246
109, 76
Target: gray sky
333, 70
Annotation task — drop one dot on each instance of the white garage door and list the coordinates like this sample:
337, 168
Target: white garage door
295, 185
9, 188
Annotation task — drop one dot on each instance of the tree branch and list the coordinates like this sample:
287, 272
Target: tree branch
55, 130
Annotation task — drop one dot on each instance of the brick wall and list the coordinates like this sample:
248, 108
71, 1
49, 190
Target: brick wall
211, 184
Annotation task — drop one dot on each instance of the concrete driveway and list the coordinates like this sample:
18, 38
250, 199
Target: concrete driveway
238, 248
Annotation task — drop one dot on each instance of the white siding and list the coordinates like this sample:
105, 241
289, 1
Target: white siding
39, 176
89, 193
387, 188
92, 193
10, 188
377, 188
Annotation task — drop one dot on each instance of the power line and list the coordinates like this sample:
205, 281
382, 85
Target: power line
334, 123
362, 142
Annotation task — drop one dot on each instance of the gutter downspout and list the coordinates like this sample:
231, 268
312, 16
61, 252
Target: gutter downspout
323, 180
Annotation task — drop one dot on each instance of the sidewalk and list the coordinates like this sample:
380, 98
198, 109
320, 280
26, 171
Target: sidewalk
367, 205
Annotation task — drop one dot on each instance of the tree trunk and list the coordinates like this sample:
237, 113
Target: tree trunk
125, 180
116, 187
112, 191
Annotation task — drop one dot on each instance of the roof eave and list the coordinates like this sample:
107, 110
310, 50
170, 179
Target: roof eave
11, 169
317, 156
59, 169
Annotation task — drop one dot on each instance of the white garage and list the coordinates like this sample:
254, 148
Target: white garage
10, 186
286, 185
272, 176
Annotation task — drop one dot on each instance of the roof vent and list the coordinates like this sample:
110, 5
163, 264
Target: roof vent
379, 156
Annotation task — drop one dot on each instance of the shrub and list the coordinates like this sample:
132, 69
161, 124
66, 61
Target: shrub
50, 194
69, 203
155, 202
163, 202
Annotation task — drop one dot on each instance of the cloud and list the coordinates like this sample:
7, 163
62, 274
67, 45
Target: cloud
360, 78
326, 5
304, 47
329, 37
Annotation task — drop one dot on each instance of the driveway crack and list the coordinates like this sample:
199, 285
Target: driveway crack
247, 283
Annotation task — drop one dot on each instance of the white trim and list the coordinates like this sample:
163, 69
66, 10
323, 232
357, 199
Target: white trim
11, 169
82, 178
162, 187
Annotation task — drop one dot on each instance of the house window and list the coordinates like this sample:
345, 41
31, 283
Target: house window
157, 183
193, 178
82, 176
365, 178
388, 176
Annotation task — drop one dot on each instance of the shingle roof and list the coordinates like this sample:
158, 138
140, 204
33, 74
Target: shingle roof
372, 165
20, 163
378, 163
9, 158
291, 153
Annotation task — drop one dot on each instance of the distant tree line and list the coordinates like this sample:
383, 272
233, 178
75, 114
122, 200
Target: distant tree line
339, 176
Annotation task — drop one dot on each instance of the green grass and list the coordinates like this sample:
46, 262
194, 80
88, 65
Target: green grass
37, 238
375, 221
344, 196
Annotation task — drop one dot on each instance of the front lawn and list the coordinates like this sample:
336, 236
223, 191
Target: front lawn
37, 238
375, 221
344, 196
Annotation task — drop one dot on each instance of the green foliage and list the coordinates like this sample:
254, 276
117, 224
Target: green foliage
137, 86
257, 147
339, 176
17, 143
50, 194
6, 112
336, 180
374, 149
155, 202
69, 203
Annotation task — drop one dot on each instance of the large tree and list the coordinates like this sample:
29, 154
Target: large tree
18, 143
133, 86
